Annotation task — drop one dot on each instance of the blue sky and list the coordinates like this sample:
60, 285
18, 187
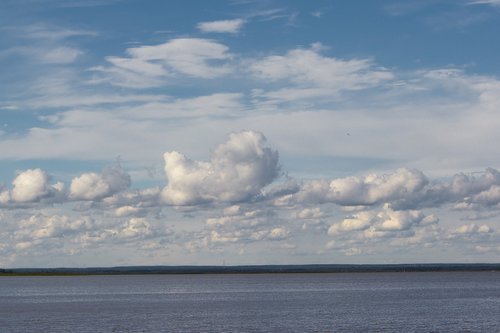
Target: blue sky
248, 132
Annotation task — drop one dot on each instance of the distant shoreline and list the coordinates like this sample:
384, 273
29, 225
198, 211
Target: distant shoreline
250, 269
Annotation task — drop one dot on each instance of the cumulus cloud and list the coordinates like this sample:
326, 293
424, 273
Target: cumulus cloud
93, 186
152, 65
360, 191
41, 230
360, 221
238, 170
403, 189
59, 226
127, 202
127, 211
466, 191
309, 213
376, 224
136, 227
473, 229
245, 226
222, 26
31, 185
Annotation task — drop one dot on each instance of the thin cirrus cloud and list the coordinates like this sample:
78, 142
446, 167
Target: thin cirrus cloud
485, 2
153, 65
311, 74
222, 26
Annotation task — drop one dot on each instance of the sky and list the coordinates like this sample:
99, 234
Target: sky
249, 132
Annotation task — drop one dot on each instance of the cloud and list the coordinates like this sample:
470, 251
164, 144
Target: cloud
128, 211
386, 223
404, 189
59, 226
309, 213
360, 221
470, 229
153, 65
31, 185
93, 186
360, 191
52, 32
245, 226
238, 170
485, 2
469, 191
222, 26
317, 75
136, 227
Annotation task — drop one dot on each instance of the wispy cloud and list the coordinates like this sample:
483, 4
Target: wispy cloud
485, 2
222, 26
153, 65
315, 75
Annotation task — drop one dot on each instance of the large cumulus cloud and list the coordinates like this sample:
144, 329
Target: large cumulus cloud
238, 169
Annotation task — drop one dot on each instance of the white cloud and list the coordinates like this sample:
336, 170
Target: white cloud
93, 186
51, 32
473, 229
136, 227
391, 220
127, 211
404, 189
59, 226
222, 26
245, 226
355, 191
238, 169
385, 223
317, 74
154, 65
360, 221
32, 185
485, 2
309, 213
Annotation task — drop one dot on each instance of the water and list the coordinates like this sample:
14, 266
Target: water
357, 302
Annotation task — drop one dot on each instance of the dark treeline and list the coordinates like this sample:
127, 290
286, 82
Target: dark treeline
255, 269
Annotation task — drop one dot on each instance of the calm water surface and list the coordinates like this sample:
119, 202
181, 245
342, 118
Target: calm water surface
357, 302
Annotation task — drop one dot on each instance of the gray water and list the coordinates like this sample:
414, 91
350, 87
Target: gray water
357, 302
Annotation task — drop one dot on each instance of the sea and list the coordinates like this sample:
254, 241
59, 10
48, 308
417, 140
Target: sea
327, 302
